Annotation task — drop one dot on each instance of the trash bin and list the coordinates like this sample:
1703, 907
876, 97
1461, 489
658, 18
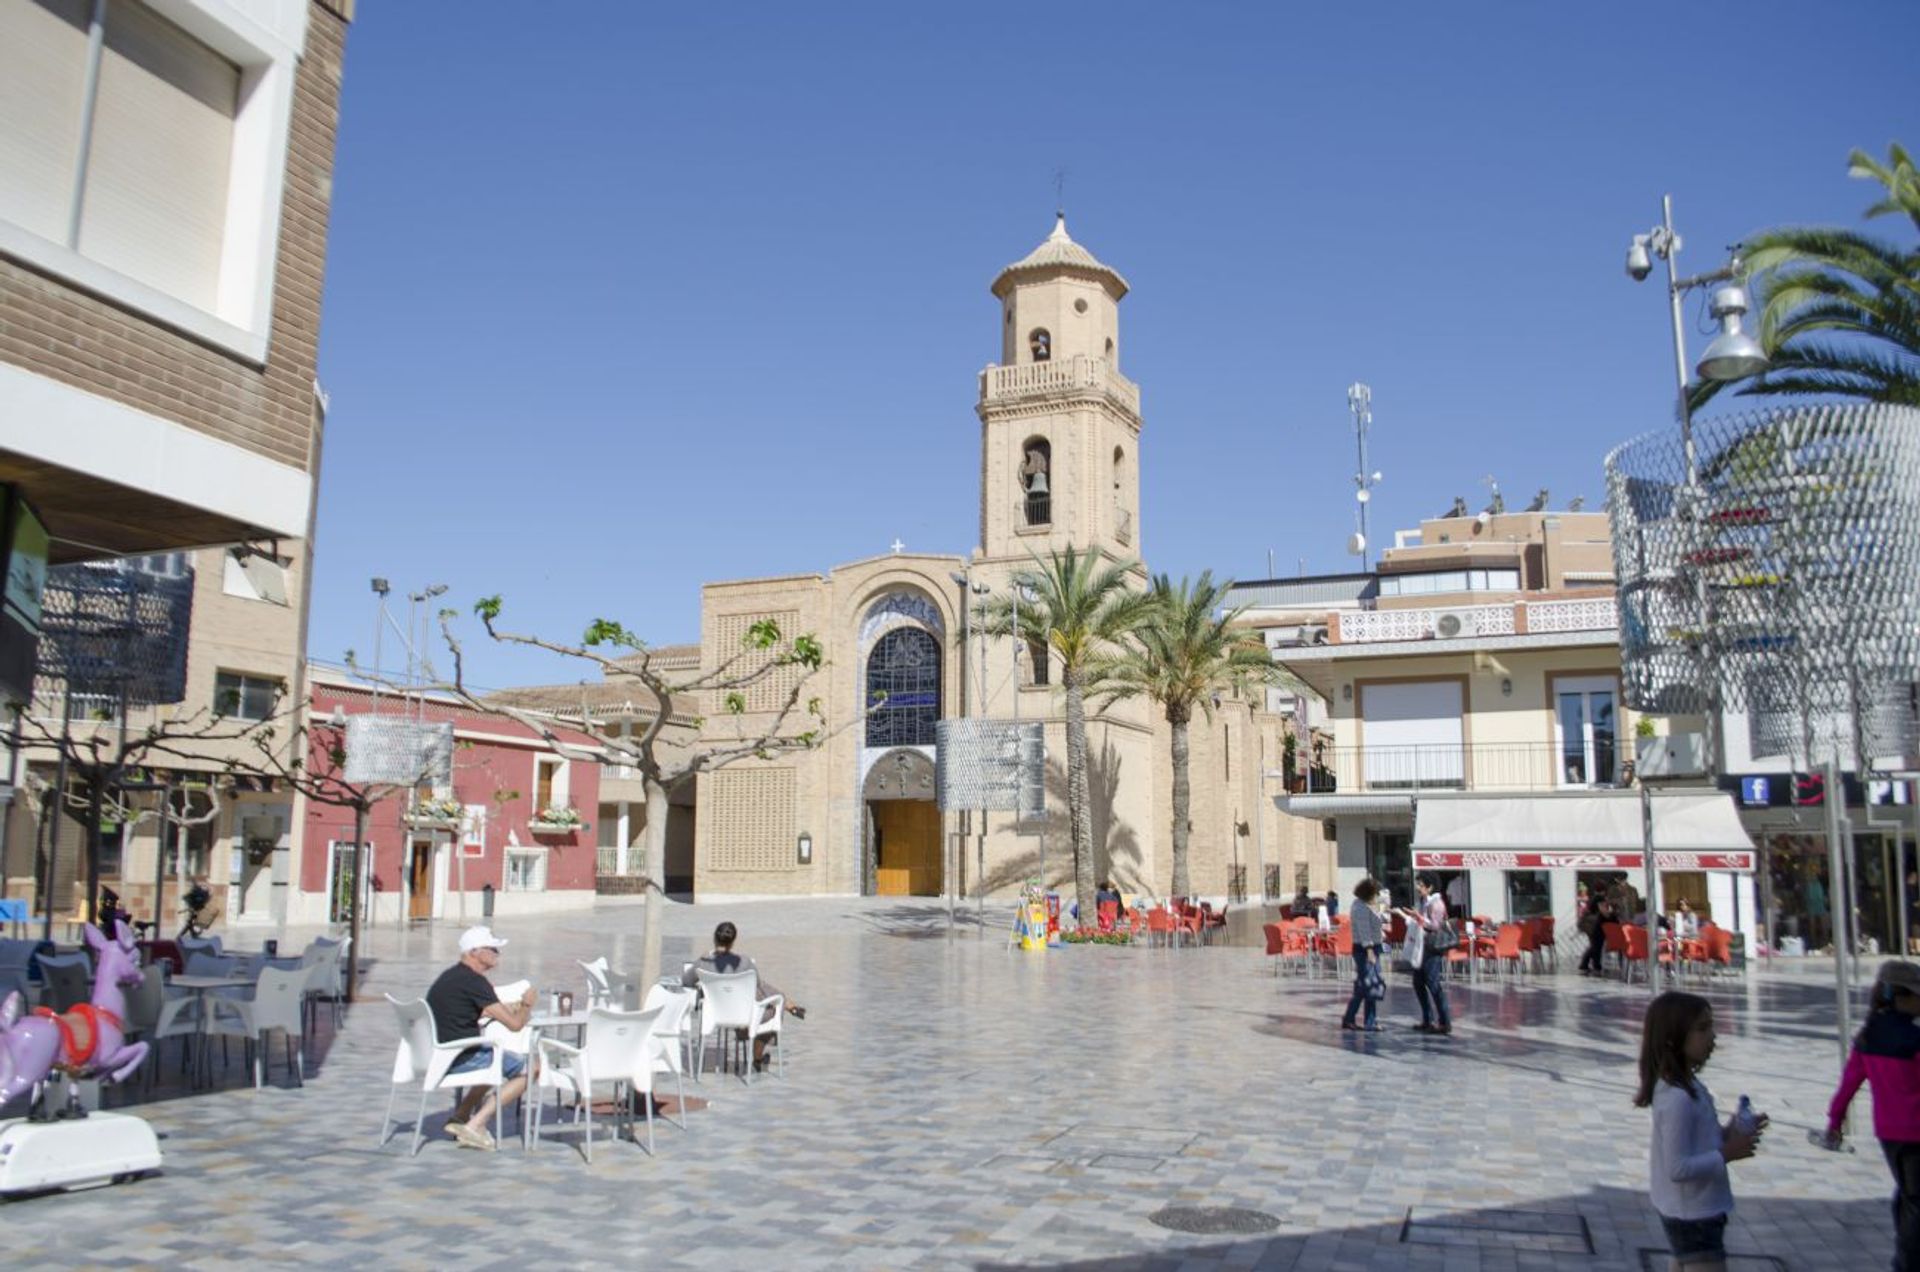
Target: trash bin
486, 901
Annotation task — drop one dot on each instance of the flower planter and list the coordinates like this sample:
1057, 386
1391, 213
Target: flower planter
554, 828
433, 823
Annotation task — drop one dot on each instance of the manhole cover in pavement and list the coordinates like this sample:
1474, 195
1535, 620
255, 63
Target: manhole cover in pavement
1213, 1221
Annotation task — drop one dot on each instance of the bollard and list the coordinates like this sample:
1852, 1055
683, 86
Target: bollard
486, 901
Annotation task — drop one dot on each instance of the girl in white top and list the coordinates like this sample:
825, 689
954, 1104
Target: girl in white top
1687, 1171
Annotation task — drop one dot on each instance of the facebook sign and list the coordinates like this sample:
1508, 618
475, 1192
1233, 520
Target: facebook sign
1756, 792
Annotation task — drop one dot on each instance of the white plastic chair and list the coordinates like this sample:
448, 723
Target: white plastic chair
731, 1001
670, 1035
618, 1052
598, 994
277, 1003
422, 1059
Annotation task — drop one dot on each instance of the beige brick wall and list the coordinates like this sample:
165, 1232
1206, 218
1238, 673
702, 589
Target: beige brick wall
49, 327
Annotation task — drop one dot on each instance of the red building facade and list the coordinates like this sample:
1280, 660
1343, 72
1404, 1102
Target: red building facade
435, 853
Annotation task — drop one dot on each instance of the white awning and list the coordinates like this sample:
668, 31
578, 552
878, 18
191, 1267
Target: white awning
1591, 830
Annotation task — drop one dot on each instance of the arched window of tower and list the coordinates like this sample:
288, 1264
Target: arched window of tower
1041, 343
1109, 348
1035, 491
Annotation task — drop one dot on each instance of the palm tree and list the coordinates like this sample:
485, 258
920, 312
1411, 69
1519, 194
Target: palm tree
1183, 656
1077, 605
1840, 310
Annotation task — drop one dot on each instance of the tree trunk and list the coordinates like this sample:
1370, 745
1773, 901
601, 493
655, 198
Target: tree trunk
1079, 801
655, 914
1182, 801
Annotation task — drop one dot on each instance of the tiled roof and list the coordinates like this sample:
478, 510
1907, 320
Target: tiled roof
1059, 252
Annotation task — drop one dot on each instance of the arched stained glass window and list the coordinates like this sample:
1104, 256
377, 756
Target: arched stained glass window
903, 688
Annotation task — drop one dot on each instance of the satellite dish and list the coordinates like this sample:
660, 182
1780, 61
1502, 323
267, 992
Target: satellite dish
1357, 544
1362, 496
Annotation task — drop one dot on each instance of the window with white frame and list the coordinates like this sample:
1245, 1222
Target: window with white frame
244, 697
1585, 728
1413, 735
142, 152
526, 870
254, 576
549, 784
1442, 582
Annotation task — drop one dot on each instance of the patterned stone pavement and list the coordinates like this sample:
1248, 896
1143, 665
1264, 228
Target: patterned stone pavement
951, 1103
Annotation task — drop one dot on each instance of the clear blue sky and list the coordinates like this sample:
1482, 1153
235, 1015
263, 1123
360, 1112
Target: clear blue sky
670, 293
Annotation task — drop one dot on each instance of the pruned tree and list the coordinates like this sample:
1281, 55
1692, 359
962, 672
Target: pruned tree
315, 766
796, 720
104, 771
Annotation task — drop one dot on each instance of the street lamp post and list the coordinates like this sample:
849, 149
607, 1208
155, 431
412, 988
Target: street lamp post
1733, 355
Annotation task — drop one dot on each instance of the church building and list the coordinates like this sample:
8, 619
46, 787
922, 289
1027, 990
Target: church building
1060, 454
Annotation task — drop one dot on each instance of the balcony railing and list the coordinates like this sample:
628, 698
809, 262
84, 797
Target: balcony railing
1496, 766
1064, 378
1463, 622
1038, 509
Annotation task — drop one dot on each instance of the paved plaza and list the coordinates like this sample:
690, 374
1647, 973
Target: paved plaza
950, 1103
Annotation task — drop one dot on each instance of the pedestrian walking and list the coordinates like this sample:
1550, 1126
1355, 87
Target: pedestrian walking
1594, 923
1438, 937
1369, 938
1687, 1165
1886, 1056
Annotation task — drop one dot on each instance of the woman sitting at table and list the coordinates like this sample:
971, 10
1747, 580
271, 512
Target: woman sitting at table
1686, 924
725, 962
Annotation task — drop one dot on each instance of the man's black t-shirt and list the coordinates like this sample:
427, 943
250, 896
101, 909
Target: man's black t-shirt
457, 999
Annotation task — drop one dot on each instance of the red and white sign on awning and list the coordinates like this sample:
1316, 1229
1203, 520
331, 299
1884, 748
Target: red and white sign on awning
1590, 830
1742, 861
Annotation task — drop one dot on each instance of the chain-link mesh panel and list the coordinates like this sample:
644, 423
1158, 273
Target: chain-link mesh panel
992, 764
108, 630
390, 750
1780, 576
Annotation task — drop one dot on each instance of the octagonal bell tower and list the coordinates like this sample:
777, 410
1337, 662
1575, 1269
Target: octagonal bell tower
1060, 426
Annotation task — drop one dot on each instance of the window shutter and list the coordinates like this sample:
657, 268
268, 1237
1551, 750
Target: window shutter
156, 194
43, 78
1413, 735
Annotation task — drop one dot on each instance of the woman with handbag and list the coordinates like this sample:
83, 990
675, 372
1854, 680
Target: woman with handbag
1430, 986
1369, 937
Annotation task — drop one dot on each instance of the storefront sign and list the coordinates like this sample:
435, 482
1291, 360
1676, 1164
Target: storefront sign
1596, 860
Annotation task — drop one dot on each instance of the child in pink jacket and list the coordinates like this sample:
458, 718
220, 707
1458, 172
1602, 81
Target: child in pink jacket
1886, 1054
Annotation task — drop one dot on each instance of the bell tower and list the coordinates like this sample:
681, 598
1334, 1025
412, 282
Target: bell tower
1059, 424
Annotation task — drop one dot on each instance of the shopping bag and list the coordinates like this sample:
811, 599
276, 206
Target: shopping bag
1374, 985
1413, 947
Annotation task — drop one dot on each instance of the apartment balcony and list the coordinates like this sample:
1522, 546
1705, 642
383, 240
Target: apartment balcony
1079, 376
1443, 623
1493, 767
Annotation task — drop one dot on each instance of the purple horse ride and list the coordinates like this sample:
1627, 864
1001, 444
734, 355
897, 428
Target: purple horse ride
89, 1039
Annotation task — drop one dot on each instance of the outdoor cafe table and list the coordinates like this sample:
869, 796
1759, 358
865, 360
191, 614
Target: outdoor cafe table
548, 1022
200, 987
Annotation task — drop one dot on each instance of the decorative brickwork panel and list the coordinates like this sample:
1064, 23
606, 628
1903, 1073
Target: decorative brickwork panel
751, 826
729, 641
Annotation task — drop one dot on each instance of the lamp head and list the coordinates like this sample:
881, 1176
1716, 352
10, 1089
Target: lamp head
1639, 260
1733, 355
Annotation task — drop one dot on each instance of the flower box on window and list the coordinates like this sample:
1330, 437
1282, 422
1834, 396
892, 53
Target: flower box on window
558, 819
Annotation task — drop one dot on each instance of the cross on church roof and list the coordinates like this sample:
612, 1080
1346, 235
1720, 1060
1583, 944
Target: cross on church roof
898, 547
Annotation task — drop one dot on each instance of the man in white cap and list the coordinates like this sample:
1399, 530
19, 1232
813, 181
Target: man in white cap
461, 999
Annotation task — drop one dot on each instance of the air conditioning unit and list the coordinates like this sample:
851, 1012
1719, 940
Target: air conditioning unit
1678, 755
1452, 623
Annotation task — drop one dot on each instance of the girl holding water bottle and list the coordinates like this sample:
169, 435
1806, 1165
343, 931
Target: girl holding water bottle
1691, 1149
1886, 1054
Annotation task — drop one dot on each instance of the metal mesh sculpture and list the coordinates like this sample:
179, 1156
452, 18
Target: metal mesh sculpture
1773, 566
396, 750
116, 632
993, 764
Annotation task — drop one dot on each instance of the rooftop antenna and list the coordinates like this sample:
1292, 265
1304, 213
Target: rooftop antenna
1060, 191
1360, 402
